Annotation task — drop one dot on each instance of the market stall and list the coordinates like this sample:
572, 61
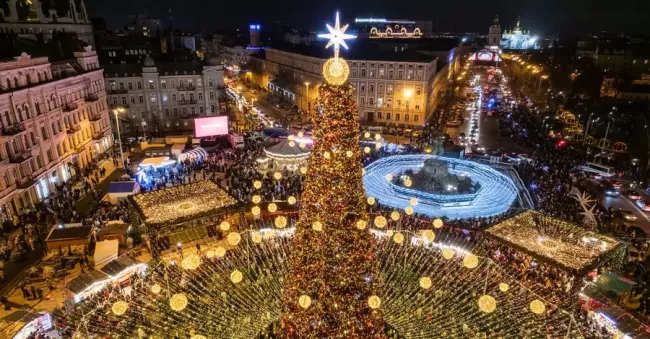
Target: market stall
69, 237
105, 251
86, 284
288, 154
119, 190
120, 269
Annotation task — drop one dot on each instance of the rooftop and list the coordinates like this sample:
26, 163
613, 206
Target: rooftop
80, 232
164, 68
555, 241
182, 203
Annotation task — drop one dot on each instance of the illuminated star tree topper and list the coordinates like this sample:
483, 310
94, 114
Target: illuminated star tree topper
335, 69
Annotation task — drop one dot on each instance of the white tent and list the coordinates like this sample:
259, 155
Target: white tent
105, 251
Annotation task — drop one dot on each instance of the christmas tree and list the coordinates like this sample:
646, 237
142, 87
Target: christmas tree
330, 290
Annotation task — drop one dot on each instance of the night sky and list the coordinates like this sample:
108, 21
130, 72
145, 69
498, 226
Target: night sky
542, 16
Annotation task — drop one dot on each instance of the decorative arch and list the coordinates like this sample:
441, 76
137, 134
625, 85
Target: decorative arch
373, 31
417, 31
619, 147
605, 143
590, 140
389, 31
403, 30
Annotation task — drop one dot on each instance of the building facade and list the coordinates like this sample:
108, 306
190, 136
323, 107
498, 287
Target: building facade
40, 17
388, 93
519, 39
163, 98
494, 35
54, 119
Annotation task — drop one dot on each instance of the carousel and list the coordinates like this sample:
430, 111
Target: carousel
288, 154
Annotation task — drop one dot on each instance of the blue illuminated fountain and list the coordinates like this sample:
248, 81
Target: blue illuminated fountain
495, 195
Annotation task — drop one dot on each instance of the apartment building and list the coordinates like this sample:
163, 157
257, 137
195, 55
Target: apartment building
54, 121
163, 98
393, 87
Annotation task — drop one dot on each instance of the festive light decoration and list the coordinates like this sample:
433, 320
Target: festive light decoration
413, 201
281, 221
503, 287
256, 199
408, 210
233, 238
371, 200
272, 207
277, 175
349, 154
380, 221
378, 145
366, 135
326, 155
155, 289
292, 144
191, 262
178, 302
362, 224
302, 144
119, 307
291, 200
398, 238
366, 149
389, 177
394, 215
291, 137
470, 261
255, 210
198, 336
377, 136
303, 170
429, 235
448, 253
210, 254
408, 182
301, 134
256, 237
304, 301
425, 283
224, 226
317, 226
236, 276
220, 251
374, 302
257, 184
487, 304
437, 223
537, 307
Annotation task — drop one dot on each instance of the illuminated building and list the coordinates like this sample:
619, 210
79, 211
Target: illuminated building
519, 39
494, 36
161, 97
54, 119
392, 28
254, 31
42, 18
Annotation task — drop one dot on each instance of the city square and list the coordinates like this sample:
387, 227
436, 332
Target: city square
362, 178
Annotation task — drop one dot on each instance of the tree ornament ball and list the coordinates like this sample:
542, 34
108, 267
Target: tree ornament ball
366, 149
281, 221
470, 261
413, 201
257, 184
236, 276
191, 262
155, 289
448, 253
256, 210
349, 154
291, 200
326, 155
378, 145
317, 226
429, 235
256, 237
537, 306
291, 137
380, 221
425, 283
304, 301
398, 238
178, 302
408, 210
119, 307
272, 207
371, 200
503, 287
377, 136
366, 135
256, 199
277, 175
302, 144
301, 134
220, 251
292, 143
224, 226
437, 223
374, 302
394, 215
487, 304
233, 238
335, 71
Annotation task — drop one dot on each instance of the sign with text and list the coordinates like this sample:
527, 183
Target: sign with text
205, 127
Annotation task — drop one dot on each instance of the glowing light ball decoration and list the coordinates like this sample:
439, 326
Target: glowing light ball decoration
119, 307
233, 238
408, 182
257, 184
256, 199
192, 262
224, 226
303, 170
178, 302
371, 201
408, 210
256, 210
394, 215
272, 207
377, 136
349, 154
448, 253
537, 307
398, 238
292, 144
429, 235
198, 336
281, 221
380, 221
155, 289
256, 237
301, 134
487, 304
362, 224
220, 251
326, 155
503, 287
374, 302
413, 201
291, 200
236, 276
437, 223
470, 261
389, 177
336, 71
277, 175
304, 301
366, 150
210, 254
425, 283
366, 135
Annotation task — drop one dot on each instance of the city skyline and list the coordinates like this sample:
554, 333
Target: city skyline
577, 17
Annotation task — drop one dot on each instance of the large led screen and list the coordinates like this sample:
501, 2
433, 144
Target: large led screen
205, 127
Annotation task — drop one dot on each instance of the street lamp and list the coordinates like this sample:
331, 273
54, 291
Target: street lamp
543, 77
117, 111
307, 94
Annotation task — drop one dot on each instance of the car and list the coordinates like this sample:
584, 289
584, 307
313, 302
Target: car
643, 205
625, 214
616, 184
611, 191
454, 123
595, 176
632, 194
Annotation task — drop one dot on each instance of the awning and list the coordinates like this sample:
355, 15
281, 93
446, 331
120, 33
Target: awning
119, 265
87, 280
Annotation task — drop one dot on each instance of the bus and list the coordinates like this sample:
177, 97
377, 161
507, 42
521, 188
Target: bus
603, 170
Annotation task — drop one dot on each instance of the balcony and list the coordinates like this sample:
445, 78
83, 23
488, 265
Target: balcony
73, 129
117, 91
69, 107
187, 102
19, 158
91, 98
98, 136
13, 129
185, 88
95, 117
26, 182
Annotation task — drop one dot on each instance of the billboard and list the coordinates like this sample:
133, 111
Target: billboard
205, 127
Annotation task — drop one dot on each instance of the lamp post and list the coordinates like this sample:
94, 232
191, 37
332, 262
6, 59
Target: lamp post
117, 111
543, 77
307, 83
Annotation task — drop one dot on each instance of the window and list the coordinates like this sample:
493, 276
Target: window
44, 132
211, 95
387, 116
380, 101
141, 99
371, 101
416, 118
201, 109
130, 85
390, 74
213, 109
199, 83
363, 101
371, 88
174, 97
153, 98
372, 73
182, 97
363, 73
114, 100
378, 115
184, 110
407, 104
354, 73
139, 85
200, 96
389, 102
399, 103
409, 74
151, 85
121, 86
417, 107
420, 75
189, 83
164, 96
389, 89
175, 110
133, 100
396, 116
210, 83
400, 74
163, 84
406, 117
362, 87
191, 96
418, 91
381, 73
193, 110
123, 100
166, 112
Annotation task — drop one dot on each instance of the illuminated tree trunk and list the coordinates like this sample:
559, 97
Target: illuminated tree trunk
334, 266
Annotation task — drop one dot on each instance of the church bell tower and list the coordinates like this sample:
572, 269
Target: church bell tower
494, 36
